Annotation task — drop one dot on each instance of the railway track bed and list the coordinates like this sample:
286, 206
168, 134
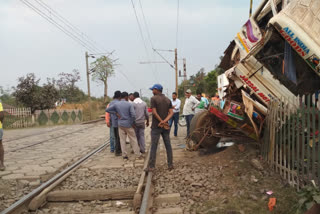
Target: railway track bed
223, 182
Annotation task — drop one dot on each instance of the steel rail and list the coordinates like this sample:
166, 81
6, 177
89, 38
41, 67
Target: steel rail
53, 138
145, 199
51, 130
34, 134
36, 191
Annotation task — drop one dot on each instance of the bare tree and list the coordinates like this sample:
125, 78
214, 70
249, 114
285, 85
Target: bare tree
67, 86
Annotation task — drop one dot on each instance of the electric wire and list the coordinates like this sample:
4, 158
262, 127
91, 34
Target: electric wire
57, 25
142, 37
70, 25
66, 31
145, 23
172, 66
177, 24
148, 35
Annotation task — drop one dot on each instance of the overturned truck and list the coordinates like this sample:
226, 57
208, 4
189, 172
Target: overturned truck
275, 55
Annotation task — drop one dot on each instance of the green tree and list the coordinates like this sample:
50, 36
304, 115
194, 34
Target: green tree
49, 94
102, 69
30, 94
27, 91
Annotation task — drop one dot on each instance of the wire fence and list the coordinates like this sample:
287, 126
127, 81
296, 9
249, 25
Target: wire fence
291, 139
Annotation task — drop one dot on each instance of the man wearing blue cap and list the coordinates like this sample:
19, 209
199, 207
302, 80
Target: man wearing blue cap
161, 113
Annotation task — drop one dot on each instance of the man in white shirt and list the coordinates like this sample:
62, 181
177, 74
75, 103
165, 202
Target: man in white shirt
188, 109
176, 109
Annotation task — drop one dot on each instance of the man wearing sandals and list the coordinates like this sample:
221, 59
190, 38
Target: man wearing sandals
161, 113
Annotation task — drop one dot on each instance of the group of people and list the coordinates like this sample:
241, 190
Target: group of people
191, 106
127, 116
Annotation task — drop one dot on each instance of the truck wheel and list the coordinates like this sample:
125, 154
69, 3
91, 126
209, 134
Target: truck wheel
200, 120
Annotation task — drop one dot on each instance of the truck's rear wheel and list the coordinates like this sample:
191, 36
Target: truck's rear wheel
197, 129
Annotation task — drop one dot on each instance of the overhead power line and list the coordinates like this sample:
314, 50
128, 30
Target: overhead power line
72, 27
54, 18
145, 23
142, 37
57, 25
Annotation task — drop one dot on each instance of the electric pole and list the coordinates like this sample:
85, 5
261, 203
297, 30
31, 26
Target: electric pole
140, 93
88, 84
184, 69
176, 67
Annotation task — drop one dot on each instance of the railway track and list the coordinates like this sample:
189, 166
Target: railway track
46, 140
50, 130
98, 182
18, 205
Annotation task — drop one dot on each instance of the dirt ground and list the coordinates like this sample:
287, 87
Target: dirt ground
226, 182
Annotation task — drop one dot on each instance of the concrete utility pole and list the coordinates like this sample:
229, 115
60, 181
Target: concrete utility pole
176, 67
88, 84
140, 93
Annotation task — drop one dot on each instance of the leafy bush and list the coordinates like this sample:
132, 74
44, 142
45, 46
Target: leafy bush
309, 196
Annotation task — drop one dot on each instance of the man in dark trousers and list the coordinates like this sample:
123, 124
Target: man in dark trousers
161, 113
126, 124
114, 124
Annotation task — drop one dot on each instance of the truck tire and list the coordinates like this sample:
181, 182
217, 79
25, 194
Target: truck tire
199, 120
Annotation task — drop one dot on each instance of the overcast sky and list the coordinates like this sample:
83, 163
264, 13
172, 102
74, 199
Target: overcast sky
30, 44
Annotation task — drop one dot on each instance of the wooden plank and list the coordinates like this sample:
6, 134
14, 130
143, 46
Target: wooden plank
277, 130
298, 140
303, 122
281, 135
286, 169
273, 126
308, 137
318, 164
40, 199
289, 142
293, 127
91, 195
314, 144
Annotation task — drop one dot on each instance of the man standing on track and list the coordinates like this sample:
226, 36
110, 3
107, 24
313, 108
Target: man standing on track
161, 114
142, 115
176, 109
114, 125
1, 134
188, 109
126, 124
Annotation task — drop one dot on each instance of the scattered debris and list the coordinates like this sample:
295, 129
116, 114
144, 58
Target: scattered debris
241, 148
272, 203
270, 192
256, 164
